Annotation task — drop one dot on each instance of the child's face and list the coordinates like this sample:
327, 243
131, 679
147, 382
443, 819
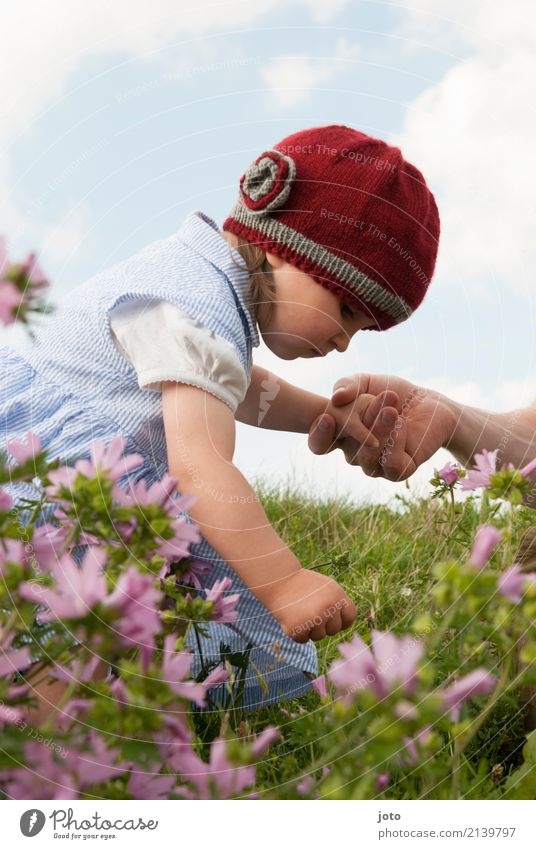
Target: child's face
307, 320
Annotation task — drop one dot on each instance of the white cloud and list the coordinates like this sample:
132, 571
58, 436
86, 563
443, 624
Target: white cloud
291, 79
43, 44
473, 133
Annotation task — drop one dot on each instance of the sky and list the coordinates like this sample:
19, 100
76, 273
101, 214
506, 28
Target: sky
117, 120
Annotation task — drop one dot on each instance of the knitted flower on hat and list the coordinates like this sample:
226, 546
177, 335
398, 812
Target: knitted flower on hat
349, 211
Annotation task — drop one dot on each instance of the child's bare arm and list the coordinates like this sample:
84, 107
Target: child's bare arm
200, 436
273, 403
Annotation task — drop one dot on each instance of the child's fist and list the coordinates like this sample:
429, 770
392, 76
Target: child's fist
310, 606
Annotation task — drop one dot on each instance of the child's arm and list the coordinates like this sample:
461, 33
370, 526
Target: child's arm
200, 436
273, 403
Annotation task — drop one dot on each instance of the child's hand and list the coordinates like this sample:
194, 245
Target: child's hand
344, 424
310, 606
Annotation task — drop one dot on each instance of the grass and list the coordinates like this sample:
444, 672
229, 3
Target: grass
383, 557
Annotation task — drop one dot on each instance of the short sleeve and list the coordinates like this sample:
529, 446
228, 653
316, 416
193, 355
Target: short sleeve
164, 343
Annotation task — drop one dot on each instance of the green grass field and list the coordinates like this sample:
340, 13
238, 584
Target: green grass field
383, 557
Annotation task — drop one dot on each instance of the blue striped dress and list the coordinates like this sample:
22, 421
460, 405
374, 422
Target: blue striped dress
71, 386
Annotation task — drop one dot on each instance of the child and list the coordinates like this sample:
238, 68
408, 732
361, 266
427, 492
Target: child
333, 232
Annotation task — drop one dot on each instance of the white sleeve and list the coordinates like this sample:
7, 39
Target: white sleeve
164, 343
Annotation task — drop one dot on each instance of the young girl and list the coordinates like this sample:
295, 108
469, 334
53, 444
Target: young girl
333, 232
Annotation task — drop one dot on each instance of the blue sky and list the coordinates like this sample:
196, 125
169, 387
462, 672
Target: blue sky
118, 120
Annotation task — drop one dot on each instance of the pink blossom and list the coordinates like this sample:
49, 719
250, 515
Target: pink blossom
98, 763
11, 551
264, 740
512, 582
485, 466
320, 686
161, 492
10, 714
10, 300
109, 460
486, 541
176, 667
410, 755
147, 785
224, 606
305, 786
392, 661
449, 474
46, 545
51, 777
21, 451
43, 778
77, 590
218, 779
136, 598
6, 502
529, 469
474, 683
79, 670
64, 476
382, 780
196, 570
13, 661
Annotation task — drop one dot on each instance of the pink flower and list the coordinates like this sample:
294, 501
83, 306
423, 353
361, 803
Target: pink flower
22, 452
162, 492
48, 777
411, 754
529, 469
264, 740
13, 661
218, 779
78, 670
109, 460
485, 466
196, 570
10, 300
449, 474
147, 785
77, 590
224, 606
391, 662
46, 544
320, 686
136, 598
175, 668
512, 582
477, 682
6, 502
305, 786
11, 551
486, 541
382, 780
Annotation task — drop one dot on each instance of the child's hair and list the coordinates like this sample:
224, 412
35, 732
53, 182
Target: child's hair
262, 290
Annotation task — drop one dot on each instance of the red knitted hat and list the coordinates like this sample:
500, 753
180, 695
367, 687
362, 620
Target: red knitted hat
349, 211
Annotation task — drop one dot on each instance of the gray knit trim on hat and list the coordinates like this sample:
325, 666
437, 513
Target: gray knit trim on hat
357, 281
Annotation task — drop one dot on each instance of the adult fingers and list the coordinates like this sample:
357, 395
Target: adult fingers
396, 463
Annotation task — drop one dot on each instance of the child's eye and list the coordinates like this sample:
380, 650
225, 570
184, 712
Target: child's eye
347, 311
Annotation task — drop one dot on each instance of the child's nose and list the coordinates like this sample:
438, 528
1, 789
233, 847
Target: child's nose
341, 341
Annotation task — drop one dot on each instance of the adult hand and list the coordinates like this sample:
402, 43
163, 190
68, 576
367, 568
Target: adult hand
410, 423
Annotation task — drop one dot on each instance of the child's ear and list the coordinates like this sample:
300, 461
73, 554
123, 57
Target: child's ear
275, 261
